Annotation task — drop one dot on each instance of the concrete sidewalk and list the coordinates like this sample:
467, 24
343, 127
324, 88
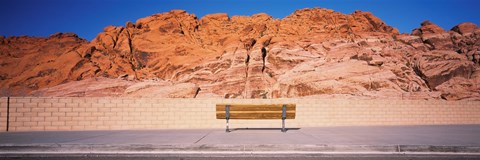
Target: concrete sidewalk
452, 139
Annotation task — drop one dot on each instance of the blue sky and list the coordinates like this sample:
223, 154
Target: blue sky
88, 17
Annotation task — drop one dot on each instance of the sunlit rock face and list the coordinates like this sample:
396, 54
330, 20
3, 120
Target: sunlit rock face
312, 53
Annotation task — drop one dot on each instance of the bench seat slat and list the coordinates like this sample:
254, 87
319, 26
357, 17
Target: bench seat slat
243, 107
255, 111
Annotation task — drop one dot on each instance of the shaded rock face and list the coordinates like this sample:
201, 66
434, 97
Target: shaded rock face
310, 53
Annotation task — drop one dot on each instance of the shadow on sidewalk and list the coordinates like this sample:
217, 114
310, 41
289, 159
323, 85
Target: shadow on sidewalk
262, 129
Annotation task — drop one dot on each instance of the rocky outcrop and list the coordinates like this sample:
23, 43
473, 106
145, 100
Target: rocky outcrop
311, 53
450, 64
437, 67
29, 63
90, 87
427, 28
465, 28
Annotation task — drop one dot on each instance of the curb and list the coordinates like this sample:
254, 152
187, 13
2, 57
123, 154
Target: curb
135, 149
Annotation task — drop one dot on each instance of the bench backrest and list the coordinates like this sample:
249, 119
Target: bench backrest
255, 111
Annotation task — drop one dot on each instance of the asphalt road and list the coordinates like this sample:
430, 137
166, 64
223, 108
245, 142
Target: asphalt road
251, 157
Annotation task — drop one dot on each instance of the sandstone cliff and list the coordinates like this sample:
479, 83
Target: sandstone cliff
310, 53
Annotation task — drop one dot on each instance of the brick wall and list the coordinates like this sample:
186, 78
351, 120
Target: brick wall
49, 114
3, 114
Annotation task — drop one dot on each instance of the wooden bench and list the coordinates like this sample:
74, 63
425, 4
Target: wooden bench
256, 111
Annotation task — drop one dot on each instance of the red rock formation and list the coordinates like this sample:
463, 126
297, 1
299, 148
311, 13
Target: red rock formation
310, 53
426, 28
30, 63
465, 28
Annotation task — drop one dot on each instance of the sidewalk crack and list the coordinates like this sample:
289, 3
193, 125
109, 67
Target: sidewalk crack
202, 137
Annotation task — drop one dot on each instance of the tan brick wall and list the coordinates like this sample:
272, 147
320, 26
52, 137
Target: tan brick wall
3, 114
39, 114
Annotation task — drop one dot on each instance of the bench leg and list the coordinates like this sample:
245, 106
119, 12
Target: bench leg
227, 130
283, 126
